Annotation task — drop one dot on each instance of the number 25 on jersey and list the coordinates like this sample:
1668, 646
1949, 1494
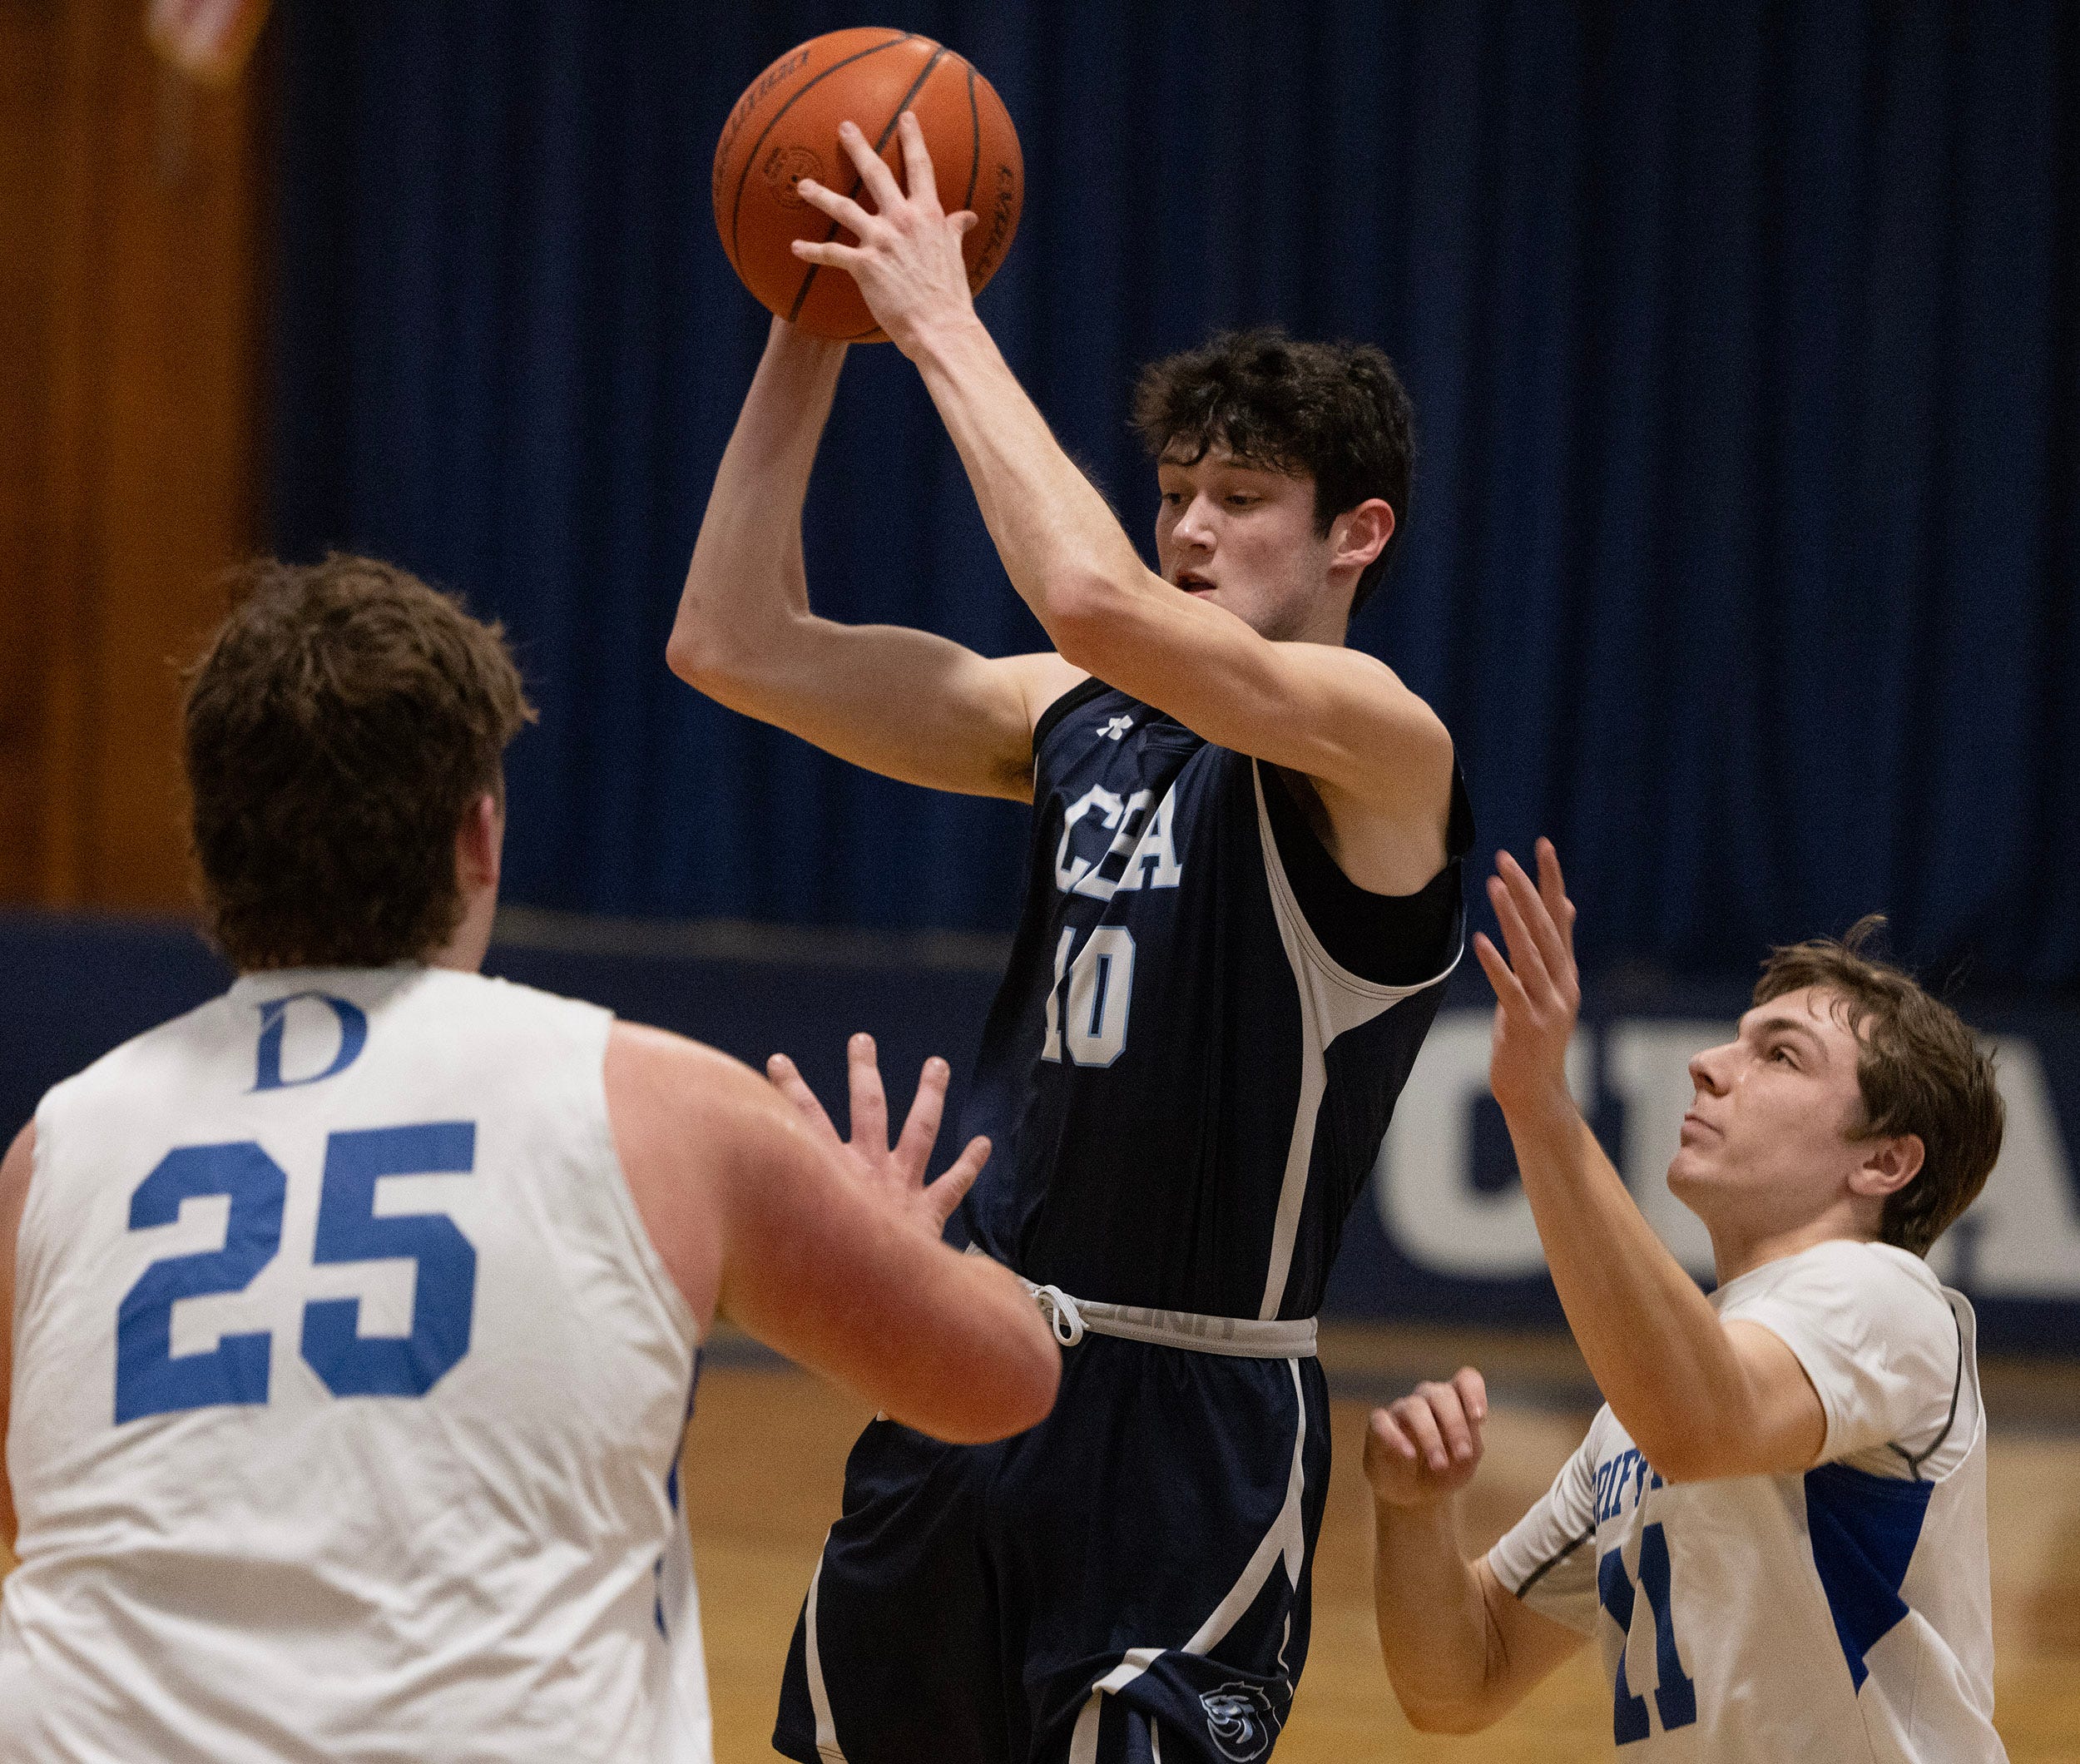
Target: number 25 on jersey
151, 1380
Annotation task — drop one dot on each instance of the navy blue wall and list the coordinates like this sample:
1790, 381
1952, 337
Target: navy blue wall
1744, 340
1442, 1233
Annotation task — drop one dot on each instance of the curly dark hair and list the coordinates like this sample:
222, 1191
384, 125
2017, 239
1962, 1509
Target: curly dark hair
339, 725
1336, 412
1920, 1071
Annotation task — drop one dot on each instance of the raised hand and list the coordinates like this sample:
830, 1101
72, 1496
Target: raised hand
1426, 1445
895, 1175
1538, 990
908, 262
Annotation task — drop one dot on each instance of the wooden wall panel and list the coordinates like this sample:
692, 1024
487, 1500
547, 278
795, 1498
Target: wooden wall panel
130, 456
27, 79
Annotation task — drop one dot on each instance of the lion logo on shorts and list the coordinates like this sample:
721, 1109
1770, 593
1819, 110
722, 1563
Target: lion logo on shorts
1239, 1718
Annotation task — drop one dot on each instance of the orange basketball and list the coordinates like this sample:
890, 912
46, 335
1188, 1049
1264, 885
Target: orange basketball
785, 128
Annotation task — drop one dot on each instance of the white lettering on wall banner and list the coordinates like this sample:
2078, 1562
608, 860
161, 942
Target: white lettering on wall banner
2020, 1239
1433, 1213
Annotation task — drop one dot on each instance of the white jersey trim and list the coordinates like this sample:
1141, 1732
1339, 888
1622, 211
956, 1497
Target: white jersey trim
1332, 1000
827, 1747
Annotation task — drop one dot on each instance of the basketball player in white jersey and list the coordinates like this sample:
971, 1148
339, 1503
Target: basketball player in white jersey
1776, 1527
347, 1323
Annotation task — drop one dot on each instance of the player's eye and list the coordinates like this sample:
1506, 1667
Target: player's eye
1243, 499
1784, 1054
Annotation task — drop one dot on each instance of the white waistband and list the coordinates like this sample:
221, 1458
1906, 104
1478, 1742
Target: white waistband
1245, 1338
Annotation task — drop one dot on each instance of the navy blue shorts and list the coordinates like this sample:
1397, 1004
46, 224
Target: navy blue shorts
1128, 1580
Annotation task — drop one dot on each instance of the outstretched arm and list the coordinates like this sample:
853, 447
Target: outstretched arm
1701, 1398
1341, 717
828, 1250
906, 703
1460, 1651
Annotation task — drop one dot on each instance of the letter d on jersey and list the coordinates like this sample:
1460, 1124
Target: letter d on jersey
354, 1036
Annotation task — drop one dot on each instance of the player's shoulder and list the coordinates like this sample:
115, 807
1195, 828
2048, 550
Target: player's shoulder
1057, 696
659, 1076
1843, 1271
118, 1069
496, 999
1044, 679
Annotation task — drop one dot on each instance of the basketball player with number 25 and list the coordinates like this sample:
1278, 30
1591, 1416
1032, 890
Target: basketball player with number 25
1242, 901
347, 1322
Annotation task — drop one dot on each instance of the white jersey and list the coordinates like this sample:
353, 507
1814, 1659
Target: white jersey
1843, 1614
348, 1395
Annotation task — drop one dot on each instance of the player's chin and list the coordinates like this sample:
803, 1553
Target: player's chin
1688, 1170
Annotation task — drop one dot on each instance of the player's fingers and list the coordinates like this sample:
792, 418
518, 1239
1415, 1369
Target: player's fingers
1449, 1414
1509, 992
920, 1127
918, 176
873, 170
1415, 1416
817, 251
958, 1176
791, 1084
1387, 1442
870, 1103
1473, 1393
1532, 909
1554, 886
1547, 911
842, 209
965, 222
1524, 960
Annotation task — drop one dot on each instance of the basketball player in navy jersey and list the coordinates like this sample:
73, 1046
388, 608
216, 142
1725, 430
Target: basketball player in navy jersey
347, 1322
1242, 901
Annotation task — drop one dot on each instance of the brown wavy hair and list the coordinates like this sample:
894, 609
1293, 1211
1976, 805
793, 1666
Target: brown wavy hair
1920, 1070
1335, 412
339, 724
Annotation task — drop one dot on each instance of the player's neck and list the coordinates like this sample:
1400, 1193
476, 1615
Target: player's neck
1735, 1252
470, 941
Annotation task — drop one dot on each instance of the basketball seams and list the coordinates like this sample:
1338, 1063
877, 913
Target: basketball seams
750, 158
975, 171
801, 293
974, 139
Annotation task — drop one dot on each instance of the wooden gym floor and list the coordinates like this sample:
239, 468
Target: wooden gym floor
768, 1443
767, 1453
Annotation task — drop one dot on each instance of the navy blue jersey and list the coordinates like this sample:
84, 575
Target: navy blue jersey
1204, 1026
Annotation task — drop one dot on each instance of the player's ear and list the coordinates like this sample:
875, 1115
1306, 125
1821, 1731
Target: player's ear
1888, 1165
479, 841
1359, 535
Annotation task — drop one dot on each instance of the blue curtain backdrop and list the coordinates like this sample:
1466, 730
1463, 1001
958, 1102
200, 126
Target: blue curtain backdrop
1744, 341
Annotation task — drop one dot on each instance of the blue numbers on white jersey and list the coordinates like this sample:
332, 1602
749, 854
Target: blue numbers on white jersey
1092, 1021
349, 1229
151, 1380
1675, 1692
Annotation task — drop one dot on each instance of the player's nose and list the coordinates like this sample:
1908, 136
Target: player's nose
1193, 528
1707, 1069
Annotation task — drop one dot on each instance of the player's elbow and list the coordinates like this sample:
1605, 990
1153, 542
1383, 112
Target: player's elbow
1085, 612
1694, 1452
698, 653
1451, 1717
1001, 1382
1018, 1389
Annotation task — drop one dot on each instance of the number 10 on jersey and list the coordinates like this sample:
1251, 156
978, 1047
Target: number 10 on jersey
1090, 1025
